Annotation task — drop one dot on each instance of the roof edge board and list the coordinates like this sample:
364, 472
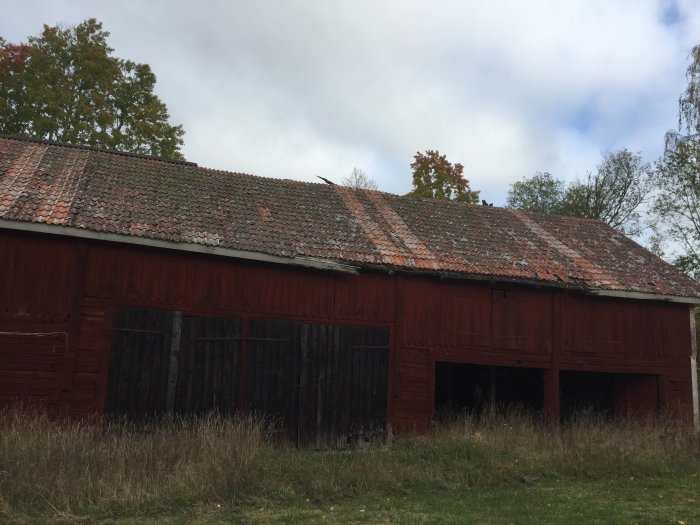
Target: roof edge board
69, 231
643, 296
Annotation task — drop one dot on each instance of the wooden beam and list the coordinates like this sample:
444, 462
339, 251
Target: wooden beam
176, 332
644, 296
551, 396
694, 370
552, 391
77, 296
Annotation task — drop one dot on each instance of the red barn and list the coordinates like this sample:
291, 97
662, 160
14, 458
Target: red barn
136, 285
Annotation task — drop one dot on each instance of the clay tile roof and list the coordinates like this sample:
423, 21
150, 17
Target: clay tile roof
132, 195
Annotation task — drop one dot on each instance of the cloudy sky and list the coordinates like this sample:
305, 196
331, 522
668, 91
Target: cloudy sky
296, 89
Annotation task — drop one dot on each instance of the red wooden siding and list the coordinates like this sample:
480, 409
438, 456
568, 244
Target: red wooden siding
199, 283
70, 290
613, 329
444, 314
522, 320
36, 284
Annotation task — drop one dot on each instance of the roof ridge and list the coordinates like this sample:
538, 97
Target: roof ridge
96, 148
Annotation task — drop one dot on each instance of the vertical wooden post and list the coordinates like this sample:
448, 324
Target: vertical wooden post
552, 405
320, 354
176, 332
243, 374
77, 295
492, 390
303, 365
694, 370
551, 396
392, 372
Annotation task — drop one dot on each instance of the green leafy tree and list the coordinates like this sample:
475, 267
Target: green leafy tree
678, 176
613, 193
541, 193
65, 85
434, 177
359, 180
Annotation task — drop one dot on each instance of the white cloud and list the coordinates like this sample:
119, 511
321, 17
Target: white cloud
296, 89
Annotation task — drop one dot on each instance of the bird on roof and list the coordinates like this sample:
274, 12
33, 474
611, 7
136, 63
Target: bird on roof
324, 179
484, 203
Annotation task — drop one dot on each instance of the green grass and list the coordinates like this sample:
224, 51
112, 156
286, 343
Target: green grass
500, 469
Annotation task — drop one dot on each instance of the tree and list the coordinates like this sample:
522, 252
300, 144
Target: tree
678, 175
434, 177
359, 180
613, 193
66, 86
541, 193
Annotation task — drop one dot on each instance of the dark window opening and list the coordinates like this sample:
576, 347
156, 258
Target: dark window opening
476, 388
607, 395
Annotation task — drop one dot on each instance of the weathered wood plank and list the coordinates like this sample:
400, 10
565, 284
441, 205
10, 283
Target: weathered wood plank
175, 334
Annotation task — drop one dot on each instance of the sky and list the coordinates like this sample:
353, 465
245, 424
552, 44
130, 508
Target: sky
298, 88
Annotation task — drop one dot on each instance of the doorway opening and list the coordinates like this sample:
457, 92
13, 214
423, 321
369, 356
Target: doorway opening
607, 395
477, 389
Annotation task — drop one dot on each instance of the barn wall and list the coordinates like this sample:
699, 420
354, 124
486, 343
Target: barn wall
37, 277
68, 291
517, 326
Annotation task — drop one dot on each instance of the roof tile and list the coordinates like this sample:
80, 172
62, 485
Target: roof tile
180, 202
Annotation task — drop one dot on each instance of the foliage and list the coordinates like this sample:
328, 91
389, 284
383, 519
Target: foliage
359, 180
614, 193
64, 85
434, 177
541, 193
678, 175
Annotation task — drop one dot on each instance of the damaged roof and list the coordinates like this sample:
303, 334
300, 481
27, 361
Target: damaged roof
76, 189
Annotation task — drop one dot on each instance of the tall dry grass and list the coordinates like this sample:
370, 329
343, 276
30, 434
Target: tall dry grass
587, 445
46, 464
48, 468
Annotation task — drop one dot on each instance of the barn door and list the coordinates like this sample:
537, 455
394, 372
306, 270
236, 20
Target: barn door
138, 368
273, 372
368, 348
164, 362
208, 365
343, 384
324, 384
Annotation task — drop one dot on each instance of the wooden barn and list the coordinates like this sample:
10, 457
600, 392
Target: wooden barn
134, 285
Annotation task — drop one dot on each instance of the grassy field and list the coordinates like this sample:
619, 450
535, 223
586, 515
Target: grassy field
499, 469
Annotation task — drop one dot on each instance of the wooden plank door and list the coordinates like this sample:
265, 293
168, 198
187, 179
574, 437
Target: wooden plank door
367, 372
273, 374
325, 385
162, 362
343, 386
139, 363
208, 365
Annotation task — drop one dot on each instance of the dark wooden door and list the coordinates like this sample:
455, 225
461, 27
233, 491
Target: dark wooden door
325, 385
273, 372
164, 362
208, 365
322, 386
138, 368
